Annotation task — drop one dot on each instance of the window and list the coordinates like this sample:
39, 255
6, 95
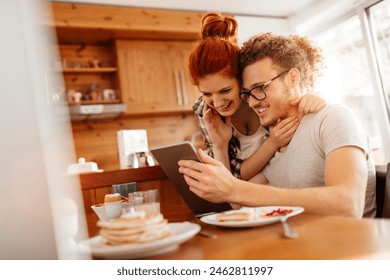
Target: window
347, 78
380, 25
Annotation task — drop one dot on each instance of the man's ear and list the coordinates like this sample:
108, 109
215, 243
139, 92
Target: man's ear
293, 77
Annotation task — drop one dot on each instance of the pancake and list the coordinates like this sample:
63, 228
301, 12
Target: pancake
134, 228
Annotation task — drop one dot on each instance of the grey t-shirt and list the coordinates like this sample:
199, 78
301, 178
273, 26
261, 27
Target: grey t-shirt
302, 164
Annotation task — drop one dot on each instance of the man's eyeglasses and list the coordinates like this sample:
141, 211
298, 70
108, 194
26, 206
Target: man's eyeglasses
259, 92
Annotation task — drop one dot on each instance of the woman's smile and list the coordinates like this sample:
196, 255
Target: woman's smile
221, 93
226, 106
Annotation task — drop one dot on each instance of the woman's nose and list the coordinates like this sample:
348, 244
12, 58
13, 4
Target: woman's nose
217, 101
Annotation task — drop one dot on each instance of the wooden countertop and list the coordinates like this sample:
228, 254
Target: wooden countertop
320, 238
106, 178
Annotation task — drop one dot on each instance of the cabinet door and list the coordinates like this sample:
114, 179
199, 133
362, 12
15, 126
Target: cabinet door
190, 92
153, 76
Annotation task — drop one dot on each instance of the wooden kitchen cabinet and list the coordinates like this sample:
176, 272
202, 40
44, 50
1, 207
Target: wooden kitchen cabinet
147, 64
91, 23
153, 76
87, 32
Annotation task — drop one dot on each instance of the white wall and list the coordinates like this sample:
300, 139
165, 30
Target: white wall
249, 26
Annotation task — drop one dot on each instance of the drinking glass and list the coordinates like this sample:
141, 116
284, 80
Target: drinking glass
124, 189
148, 201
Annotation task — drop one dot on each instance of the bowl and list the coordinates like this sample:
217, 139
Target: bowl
113, 209
100, 211
83, 167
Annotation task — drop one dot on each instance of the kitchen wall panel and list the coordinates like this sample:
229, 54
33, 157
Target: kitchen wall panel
97, 141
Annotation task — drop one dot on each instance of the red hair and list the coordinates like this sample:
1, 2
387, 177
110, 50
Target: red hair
217, 49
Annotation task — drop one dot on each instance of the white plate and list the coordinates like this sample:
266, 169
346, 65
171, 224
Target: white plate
182, 232
257, 221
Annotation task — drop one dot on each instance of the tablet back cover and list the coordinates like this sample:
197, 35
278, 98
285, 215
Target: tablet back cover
168, 158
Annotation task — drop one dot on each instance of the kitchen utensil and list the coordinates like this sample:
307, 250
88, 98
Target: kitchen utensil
287, 230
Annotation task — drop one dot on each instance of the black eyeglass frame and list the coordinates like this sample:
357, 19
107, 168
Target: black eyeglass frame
244, 95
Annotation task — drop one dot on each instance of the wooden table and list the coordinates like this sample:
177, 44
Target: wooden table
320, 237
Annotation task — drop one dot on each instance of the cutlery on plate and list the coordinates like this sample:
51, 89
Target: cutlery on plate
287, 230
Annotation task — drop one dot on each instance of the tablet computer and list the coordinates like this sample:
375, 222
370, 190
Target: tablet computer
168, 158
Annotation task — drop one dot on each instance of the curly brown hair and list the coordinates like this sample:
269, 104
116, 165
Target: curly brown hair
292, 51
217, 49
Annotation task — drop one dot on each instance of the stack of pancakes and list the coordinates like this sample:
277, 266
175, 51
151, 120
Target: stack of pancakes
134, 228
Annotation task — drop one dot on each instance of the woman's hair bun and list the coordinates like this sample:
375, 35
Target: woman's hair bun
215, 25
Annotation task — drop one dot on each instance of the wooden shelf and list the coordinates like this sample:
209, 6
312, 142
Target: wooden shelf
95, 102
88, 70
